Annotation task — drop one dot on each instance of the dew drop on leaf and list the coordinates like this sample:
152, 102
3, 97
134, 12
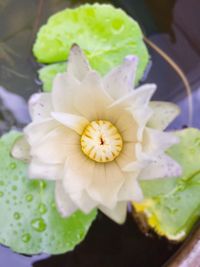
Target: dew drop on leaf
26, 238
14, 187
42, 184
38, 225
29, 197
13, 165
17, 216
42, 208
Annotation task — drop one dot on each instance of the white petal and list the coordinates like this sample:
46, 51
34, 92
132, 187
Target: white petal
137, 98
141, 116
118, 214
91, 101
163, 114
131, 190
65, 87
40, 106
64, 204
154, 141
106, 183
21, 149
161, 167
127, 155
74, 122
35, 132
78, 173
56, 146
38, 170
83, 201
127, 126
120, 80
77, 63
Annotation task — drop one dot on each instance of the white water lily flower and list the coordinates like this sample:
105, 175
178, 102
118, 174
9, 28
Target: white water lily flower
96, 137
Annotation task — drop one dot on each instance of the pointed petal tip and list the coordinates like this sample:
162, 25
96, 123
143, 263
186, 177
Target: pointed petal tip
132, 59
21, 149
64, 204
118, 214
78, 64
75, 48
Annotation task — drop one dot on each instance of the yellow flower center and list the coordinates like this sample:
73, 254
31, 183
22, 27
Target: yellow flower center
101, 141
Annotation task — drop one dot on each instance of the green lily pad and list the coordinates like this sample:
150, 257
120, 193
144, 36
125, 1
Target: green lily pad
106, 35
48, 73
29, 220
172, 206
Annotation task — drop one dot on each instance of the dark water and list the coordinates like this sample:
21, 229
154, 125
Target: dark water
172, 25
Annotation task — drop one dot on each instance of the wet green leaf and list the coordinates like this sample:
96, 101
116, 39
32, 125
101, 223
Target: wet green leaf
106, 35
48, 73
172, 206
29, 220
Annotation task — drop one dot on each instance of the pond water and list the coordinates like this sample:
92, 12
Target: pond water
164, 23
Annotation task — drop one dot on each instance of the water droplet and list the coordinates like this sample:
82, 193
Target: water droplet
42, 208
16, 215
13, 165
1, 183
29, 197
38, 225
26, 238
117, 25
1, 194
14, 187
42, 185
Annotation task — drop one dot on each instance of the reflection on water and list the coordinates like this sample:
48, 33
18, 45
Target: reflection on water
107, 244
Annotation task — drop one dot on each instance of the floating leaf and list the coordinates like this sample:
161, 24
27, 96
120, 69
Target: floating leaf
172, 206
105, 34
48, 73
29, 220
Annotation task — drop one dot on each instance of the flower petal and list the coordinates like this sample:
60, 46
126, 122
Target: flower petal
163, 114
39, 170
56, 146
120, 80
78, 173
127, 155
91, 100
74, 122
126, 125
118, 214
35, 132
141, 116
40, 106
106, 183
137, 98
155, 141
21, 149
131, 190
161, 167
65, 87
77, 63
83, 201
64, 204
